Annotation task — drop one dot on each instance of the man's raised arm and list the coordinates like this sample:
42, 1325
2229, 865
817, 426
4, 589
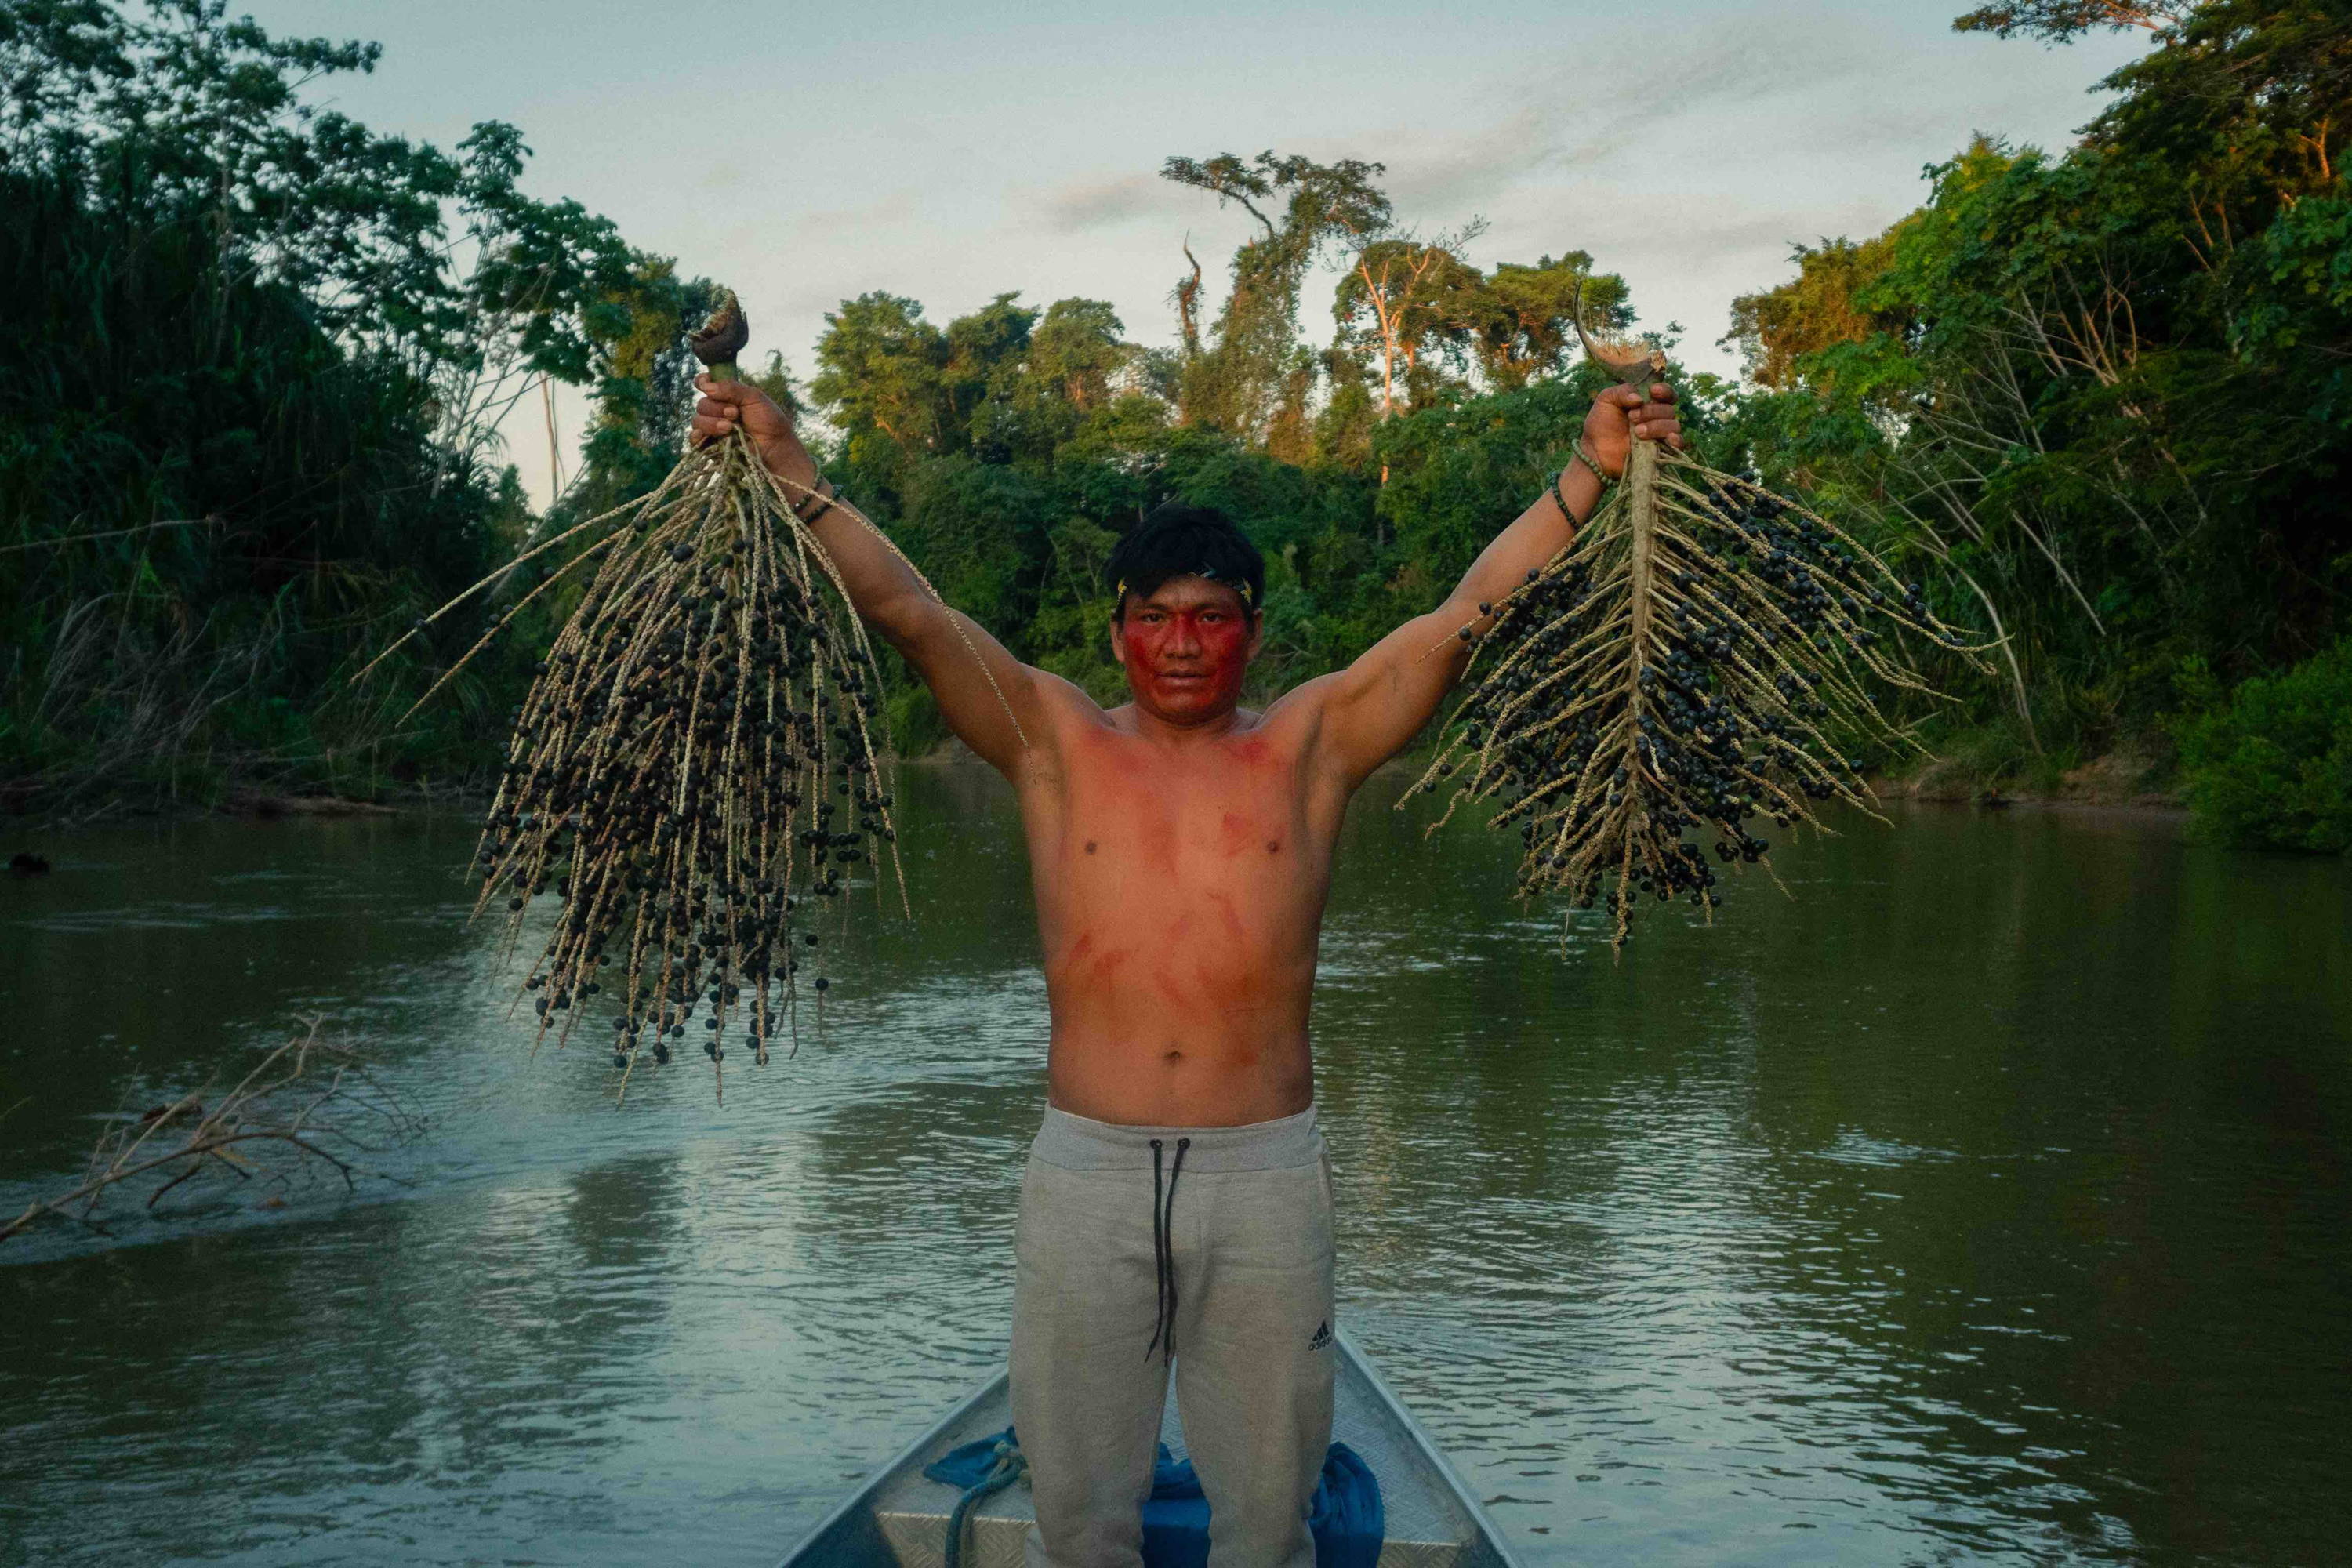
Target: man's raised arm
974, 694
1373, 709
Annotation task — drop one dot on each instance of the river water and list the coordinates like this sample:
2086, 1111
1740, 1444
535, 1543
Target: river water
1985, 1201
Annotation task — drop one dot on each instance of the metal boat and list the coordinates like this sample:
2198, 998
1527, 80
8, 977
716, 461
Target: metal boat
899, 1519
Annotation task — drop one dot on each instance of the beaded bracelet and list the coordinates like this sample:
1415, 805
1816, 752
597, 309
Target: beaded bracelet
825, 502
1584, 456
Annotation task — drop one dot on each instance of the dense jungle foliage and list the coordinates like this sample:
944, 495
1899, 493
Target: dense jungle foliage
256, 356
252, 359
2108, 393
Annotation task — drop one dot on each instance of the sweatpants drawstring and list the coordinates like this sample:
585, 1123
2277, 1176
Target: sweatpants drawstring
1158, 1258
1164, 1251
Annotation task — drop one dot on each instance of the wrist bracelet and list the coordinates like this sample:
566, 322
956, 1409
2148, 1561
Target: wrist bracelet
823, 499
1561, 501
1584, 455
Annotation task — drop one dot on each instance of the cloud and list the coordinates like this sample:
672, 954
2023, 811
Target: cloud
1699, 228
1462, 170
1728, 94
896, 207
1740, 89
1080, 205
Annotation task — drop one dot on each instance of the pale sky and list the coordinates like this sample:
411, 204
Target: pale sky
803, 155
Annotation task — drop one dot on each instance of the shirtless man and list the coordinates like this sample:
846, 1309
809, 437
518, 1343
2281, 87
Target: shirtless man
1180, 847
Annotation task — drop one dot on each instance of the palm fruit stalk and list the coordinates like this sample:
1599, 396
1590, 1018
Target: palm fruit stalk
693, 775
1692, 665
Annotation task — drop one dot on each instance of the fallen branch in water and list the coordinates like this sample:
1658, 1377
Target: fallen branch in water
305, 1105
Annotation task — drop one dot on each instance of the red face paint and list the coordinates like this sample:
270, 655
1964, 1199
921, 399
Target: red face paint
1186, 649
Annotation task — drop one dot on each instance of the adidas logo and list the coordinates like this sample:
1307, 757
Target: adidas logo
1322, 1339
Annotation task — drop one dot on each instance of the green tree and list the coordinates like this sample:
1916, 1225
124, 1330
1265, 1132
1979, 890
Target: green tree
2062, 21
645, 387
1820, 309
987, 352
258, 355
207, 508
1250, 370
882, 370
1525, 324
1077, 357
1405, 307
2101, 397
433, 259
2269, 764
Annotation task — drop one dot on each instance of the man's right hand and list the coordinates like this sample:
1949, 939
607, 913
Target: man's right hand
732, 406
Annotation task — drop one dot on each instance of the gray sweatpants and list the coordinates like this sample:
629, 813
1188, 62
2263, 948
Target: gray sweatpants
1247, 1259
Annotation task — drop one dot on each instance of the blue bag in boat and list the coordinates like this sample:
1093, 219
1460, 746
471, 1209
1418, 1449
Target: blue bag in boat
1346, 1517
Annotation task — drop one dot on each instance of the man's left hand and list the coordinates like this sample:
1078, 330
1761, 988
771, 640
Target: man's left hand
1621, 416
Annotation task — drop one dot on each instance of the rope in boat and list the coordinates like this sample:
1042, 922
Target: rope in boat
1012, 1464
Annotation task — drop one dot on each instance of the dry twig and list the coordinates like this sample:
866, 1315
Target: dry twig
305, 1105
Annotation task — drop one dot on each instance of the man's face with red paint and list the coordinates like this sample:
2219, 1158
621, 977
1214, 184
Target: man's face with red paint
1186, 647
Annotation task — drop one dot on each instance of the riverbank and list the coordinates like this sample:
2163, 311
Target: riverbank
2126, 778
243, 802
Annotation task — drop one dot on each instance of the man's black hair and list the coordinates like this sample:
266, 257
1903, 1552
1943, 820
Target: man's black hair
1180, 540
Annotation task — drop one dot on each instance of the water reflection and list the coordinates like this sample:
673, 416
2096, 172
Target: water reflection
1986, 1202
